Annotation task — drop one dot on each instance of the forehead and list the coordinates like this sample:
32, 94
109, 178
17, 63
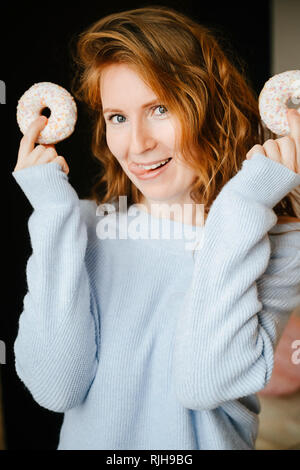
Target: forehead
120, 83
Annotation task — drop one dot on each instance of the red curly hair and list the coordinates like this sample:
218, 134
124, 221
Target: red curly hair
184, 64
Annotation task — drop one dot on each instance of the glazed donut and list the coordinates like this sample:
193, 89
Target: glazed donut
273, 99
61, 103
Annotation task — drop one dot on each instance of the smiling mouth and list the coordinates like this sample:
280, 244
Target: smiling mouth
159, 166
141, 172
156, 167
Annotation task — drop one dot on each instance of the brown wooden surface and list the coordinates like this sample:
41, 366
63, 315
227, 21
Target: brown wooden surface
284, 219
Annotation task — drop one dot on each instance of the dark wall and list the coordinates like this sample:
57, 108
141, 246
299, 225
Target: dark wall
36, 48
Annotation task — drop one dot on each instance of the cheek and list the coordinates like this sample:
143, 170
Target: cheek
187, 174
115, 145
167, 134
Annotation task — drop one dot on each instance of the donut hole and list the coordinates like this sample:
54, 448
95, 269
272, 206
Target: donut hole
46, 112
293, 103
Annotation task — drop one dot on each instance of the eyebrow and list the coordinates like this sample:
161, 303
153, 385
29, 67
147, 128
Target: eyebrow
120, 110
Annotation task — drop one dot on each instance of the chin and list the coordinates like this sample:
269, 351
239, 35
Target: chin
158, 197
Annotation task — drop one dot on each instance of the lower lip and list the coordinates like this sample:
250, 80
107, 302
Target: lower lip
153, 173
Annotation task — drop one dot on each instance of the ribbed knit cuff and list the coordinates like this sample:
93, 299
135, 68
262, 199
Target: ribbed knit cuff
264, 180
45, 185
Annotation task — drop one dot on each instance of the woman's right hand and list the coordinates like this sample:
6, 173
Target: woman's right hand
29, 155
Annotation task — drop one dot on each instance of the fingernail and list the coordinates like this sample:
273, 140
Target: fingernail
43, 119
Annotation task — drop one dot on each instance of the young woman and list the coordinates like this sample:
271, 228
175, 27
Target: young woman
142, 342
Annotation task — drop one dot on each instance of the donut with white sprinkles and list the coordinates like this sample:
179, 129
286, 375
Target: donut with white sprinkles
63, 117
277, 92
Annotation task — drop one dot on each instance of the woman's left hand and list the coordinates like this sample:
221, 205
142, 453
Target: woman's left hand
285, 150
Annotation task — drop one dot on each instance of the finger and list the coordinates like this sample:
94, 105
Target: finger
272, 150
36, 153
64, 166
31, 136
287, 148
32, 158
255, 149
293, 118
47, 155
40, 155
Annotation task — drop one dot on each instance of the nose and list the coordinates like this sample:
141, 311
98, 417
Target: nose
141, 138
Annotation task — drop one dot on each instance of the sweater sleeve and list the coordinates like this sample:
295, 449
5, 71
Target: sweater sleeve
226, 334
56, 345
279, 286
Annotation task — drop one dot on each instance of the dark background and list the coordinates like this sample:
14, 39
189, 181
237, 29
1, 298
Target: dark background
35, 47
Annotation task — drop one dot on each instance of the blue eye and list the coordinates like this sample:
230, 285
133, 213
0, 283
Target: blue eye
113, 115
154, 107
161, 106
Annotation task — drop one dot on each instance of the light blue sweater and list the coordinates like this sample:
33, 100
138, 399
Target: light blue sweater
143, 343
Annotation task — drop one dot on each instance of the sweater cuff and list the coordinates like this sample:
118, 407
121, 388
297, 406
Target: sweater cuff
45, 185
264, 180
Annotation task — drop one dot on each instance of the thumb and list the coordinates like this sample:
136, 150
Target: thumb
293, 118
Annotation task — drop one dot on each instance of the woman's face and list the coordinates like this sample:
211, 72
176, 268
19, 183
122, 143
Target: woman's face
138, 132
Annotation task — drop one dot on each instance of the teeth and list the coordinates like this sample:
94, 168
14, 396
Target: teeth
151, 167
